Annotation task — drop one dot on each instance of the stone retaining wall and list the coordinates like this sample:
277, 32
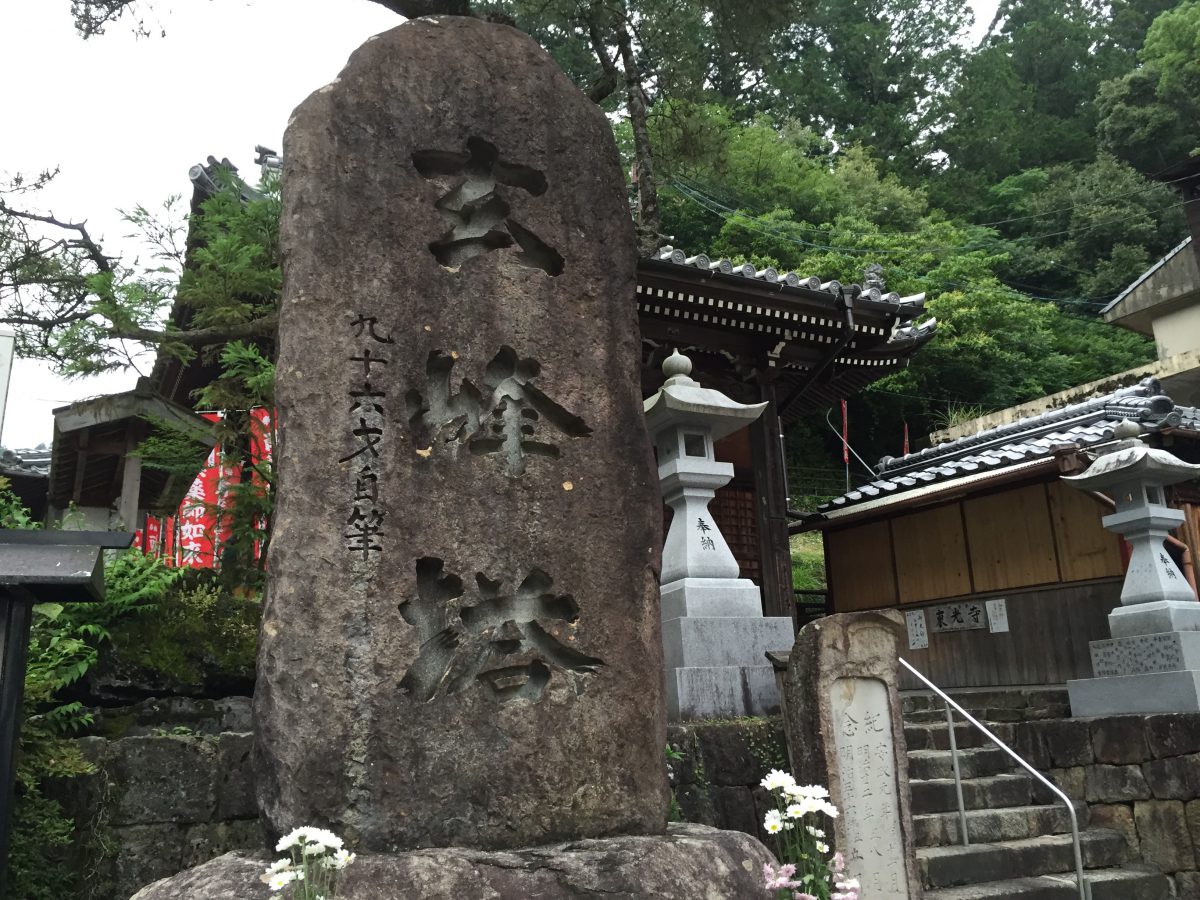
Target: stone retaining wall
717, 780
1139, 775
158, 804
989, 704
174, 787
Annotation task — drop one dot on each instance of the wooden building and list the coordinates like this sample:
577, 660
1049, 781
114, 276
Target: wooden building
986, 517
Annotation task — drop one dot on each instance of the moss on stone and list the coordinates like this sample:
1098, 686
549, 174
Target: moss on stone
197, 633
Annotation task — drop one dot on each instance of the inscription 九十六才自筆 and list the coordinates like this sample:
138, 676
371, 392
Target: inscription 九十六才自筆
508, 641
364, 525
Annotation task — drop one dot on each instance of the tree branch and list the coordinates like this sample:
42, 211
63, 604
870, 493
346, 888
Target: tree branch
609, 78
649, 214
200, 337
84, 242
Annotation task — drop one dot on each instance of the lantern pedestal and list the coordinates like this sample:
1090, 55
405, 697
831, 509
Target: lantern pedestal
712, 639
1151, 664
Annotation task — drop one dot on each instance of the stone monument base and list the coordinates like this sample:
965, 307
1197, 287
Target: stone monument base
715, 640
1150, 692
1142, 673
702, 692
1154, 617
689, 861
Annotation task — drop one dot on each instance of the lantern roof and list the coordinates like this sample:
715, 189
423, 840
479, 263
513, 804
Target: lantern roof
682, 401
1134, 461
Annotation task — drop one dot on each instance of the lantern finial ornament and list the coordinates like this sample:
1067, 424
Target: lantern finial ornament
676, 365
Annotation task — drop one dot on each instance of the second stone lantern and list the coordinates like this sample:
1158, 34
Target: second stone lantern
714, 632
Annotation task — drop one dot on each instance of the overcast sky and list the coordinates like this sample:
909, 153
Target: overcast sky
125, 118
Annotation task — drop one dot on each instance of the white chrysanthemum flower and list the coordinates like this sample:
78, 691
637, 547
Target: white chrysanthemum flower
822, 847
815, 832
280, 880
278, 866
290, 840
340, 859
776, 780
794, 811
828, 808
773, 822
325, 838
813, 791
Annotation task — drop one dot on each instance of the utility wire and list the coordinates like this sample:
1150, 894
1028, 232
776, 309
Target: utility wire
876, 253
843, 440
720, 209
697, 186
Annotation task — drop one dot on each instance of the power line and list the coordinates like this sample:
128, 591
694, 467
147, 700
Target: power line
696, 186
901, 253
725, 211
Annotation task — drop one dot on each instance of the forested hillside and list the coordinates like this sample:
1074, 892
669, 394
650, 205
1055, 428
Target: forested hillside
1011, 181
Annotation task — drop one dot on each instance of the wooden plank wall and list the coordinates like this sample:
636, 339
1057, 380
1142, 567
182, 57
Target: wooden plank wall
860, 562
1010, 540
1040, 546
1085, 549
919, 577
1047, 642
1035, 534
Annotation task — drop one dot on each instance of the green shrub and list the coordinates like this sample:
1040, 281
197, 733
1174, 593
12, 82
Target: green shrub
64, 643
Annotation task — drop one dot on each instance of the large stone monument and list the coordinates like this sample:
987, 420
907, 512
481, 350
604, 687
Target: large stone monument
845, 731
1152, 662
715, 636
462, 611
460, 646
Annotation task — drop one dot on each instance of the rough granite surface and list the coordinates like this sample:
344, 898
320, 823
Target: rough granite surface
690, 862
460, 642
851, 647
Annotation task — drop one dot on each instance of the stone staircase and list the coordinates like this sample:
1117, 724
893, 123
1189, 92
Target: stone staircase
1020, 834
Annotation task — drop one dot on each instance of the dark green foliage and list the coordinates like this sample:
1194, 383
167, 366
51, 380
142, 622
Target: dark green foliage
1082, 231
1151, 116
868, 71
201, 633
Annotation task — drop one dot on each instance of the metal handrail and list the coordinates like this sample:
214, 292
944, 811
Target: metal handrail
1085, 887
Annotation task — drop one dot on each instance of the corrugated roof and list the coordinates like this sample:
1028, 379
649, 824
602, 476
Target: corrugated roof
995, 450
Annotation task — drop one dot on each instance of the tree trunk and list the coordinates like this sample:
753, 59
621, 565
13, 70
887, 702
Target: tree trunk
649, 221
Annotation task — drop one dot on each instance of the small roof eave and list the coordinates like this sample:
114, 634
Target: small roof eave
938, 492
140, 403
1119, 309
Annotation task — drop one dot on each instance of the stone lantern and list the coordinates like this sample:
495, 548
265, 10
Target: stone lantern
714, 633
1152, 662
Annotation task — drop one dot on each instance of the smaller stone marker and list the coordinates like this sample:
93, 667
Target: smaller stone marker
844, 730
37, 567
714, 633
1152, 662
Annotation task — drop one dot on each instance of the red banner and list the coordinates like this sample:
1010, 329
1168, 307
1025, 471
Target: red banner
195, 535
